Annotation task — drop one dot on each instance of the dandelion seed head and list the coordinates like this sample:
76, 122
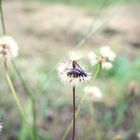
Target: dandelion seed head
1, 127
106, 52
1, 124
105, 57
107, 65
93, 93
138, 135
74, 55
92, 58
63, 66
8, 47
72, 73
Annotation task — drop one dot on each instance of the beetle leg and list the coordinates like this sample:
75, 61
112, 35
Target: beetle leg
80, 79
83, 79
70, 80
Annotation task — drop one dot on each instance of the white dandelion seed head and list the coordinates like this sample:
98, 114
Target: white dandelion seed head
1, 127
105, 57
8, 47
72, 76
138, 135
74, 55
63, 66
93, 93
92, 58
106, 52
106, 65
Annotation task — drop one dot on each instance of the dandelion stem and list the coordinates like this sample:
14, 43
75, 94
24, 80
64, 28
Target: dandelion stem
95, 126
31, 97
34, 131
81, 101
15, 96
26, 89
34, 119
73, 132
2, 19
10, 83
22, 112
96, 73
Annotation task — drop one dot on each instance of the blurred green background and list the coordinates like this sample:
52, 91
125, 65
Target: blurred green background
45, 31
89, 3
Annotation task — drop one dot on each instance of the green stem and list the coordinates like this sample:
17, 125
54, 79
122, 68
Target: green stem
22, 112
34, 134
31, 97
34, 120
95, 126
15, 96
9, 81
2, 18
81, 102
95, 75
23, 83
28, 93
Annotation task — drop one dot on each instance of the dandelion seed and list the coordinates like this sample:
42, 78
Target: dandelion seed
138, 135
93, 93
74, 55
93, 58
105, 57
1, 124
71, 72
106, 52
8, 47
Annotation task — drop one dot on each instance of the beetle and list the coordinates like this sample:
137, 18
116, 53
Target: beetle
76, 71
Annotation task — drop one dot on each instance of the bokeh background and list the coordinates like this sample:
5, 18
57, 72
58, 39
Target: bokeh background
45, 31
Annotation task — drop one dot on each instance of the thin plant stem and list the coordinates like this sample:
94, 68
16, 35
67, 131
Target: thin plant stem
73, 132
96, 73
81, 102
76, 114
34, 119
2, 19
26, 89
31, 97
10, 83
22, 112
15, 95
95, 126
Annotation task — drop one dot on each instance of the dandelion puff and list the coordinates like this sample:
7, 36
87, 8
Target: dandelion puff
106, 65
1, 127
106, 52
93, 93
93, 58
8, 47
105, 57
138, 135
71, 72
74, 55
62, 66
